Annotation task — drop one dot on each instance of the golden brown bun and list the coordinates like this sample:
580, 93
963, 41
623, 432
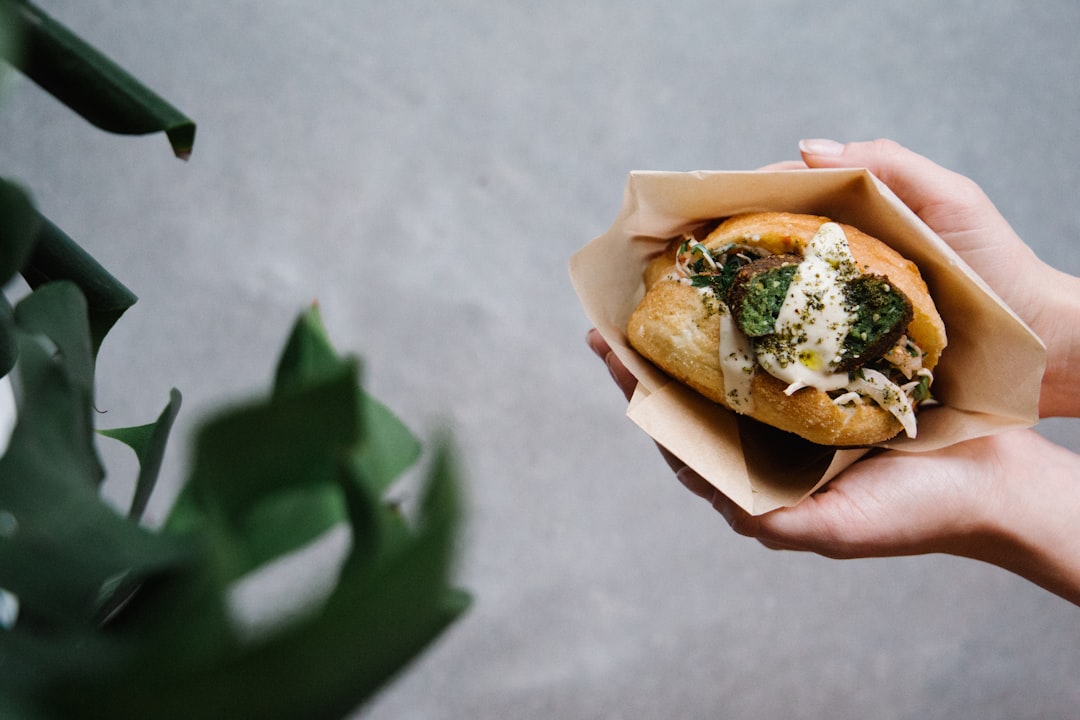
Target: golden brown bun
678, 329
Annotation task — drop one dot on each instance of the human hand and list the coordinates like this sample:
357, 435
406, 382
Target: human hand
856, 516
1009, 499
984, 499
956, 209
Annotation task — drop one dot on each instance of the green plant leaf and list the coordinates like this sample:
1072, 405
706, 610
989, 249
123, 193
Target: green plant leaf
249, 455
92, 85
57, 310
148, 442
9, 37
307, 356
386, 447
57, 257
381, 615
48, 467
56, 313
270, 469
64, 549
19, 226
9, 343
267, 476
42, 252
64, 554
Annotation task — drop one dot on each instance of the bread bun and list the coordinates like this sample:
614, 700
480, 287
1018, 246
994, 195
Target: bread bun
685, 327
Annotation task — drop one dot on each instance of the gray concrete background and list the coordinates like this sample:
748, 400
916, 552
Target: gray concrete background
425, 170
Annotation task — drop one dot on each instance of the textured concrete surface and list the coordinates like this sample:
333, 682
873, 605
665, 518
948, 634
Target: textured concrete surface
424, 170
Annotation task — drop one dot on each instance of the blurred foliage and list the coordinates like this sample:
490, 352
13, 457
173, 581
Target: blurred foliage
90, 83
103, 617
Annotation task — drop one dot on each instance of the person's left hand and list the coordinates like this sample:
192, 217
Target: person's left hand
887, 504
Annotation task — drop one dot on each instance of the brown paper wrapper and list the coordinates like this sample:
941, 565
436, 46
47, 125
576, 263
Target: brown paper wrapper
987, 380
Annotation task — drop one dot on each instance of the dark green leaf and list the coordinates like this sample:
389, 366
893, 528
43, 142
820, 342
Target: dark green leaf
63, 547
380, 616
308, 355
148, 442
9, 342
9, 37
263, 447
286, 521
19, 226
57, 311
267, 476
94, 86
55, 314
57, 257
387, 447
249, 458
48, 469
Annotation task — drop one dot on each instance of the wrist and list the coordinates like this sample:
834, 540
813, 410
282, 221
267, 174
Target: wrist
1027, 525
1056, 321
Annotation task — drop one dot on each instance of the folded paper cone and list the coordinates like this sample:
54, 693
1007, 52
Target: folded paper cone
987, 380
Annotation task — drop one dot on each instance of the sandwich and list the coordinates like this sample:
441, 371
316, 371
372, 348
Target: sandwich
808, 325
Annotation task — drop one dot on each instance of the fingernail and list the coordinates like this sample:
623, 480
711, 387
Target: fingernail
821, 146
684, 475
591, 339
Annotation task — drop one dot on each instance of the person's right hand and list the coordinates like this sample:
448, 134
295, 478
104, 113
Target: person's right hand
956, 209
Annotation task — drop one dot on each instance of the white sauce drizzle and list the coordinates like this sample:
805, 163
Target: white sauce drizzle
736, 363
809, 337
888, 395
813, 319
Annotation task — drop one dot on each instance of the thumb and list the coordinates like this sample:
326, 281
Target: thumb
949, 202
918, 181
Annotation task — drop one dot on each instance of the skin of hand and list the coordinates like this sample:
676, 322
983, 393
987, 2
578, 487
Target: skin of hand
1009, 499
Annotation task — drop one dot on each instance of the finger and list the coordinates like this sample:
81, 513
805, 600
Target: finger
622, 377
695, 483
597, 343
673, 462
740, 521
781, 529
